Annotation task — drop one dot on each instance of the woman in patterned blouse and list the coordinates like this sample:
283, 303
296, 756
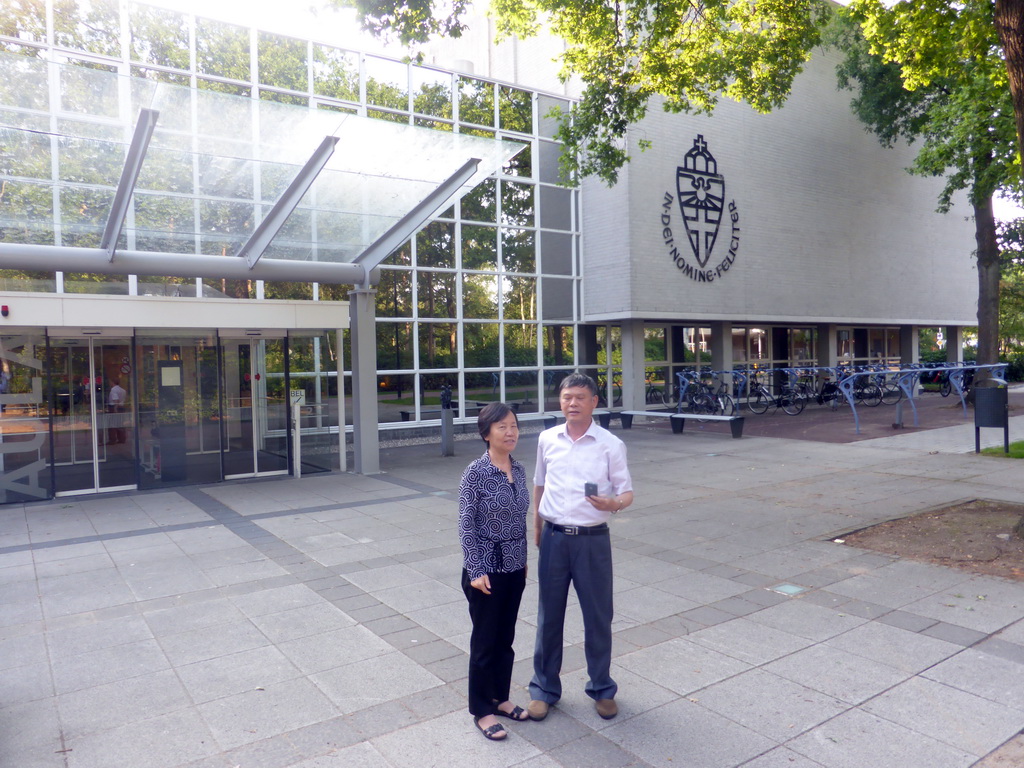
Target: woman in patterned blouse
493, 500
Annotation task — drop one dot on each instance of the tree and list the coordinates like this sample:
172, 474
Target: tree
934, 71
1009, 21
1011, 287
689, 54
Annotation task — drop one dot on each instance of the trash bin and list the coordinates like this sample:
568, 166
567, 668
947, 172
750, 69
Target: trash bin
991, 409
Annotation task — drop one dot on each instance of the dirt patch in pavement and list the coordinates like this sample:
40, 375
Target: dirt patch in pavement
975, 536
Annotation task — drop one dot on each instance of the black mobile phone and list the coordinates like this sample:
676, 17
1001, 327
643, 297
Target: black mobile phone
590, 489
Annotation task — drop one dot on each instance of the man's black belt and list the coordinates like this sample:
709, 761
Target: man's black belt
581, 530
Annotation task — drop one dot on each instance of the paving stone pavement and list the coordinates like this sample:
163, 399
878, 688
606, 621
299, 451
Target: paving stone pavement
319, 622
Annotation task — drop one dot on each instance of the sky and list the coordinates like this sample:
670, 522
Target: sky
305, 18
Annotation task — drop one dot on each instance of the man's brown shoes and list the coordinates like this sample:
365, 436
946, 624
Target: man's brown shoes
606, 708
537, 710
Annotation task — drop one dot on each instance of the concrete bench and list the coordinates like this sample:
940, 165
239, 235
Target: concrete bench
678, 420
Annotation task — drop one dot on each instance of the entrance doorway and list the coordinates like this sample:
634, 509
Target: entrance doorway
256, 406
178, 408
94, 437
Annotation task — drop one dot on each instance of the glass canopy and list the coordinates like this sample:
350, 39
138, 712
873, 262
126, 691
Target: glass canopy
215, 165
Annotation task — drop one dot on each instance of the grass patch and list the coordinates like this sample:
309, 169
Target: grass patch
1016, 450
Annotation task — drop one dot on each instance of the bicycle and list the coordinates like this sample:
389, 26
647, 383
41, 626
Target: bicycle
965, 377
653, 395
692, 396
864, 391
602, 392
724, 404
891, 392
759, 399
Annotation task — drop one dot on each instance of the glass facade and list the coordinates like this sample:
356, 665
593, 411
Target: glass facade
84, 413
488, 292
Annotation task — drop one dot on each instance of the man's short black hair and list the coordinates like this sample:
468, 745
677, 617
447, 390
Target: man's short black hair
491, 414
578, 379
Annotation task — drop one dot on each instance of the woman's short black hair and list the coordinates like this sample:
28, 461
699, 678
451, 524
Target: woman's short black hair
578, 379
490, 414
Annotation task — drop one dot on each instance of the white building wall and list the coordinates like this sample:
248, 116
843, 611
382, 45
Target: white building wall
831, 226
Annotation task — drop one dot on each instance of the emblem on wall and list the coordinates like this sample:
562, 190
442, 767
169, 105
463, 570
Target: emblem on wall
700, 192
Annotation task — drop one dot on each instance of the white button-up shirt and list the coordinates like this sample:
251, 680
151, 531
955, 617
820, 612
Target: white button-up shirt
564, 466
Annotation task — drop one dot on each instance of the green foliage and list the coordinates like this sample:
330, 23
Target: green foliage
934, 355
958, 106
410, 21
1015, 364
682, 54
933, 71
1011, 284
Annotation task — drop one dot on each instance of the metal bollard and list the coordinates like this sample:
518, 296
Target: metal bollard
447, 432
447, 422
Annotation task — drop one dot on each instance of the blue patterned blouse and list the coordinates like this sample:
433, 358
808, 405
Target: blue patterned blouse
492, 518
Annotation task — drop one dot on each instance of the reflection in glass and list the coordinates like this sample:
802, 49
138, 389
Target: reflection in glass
93, 426
517, 250
25, 154
438, 345
88, 25
179, 409
282, 61
222, 49
558, 344
522, 163
480, 342
335, 73
515, 109
479, 247
476, 101
256, 414
517, 204
84, 214
480, 296
394, 345
480, 203
435, 245
519, 297
520, 344
313, 368
387, 83
394, 293
89, 90
159, 36
436, 294
432, 92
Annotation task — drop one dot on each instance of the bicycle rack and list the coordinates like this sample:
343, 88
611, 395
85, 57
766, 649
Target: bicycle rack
908, 378
846, 378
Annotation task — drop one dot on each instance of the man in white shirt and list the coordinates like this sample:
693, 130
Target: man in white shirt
571, 529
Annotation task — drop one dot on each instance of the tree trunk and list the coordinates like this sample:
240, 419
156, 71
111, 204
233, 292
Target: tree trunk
988, 285
1018, 529
1009, 21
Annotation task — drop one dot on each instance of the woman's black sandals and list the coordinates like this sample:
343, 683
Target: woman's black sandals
518, 713
495, 733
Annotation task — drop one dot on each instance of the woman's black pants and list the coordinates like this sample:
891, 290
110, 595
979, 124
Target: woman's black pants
490, 646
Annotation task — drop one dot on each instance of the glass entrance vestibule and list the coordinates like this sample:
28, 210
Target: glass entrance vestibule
106, 410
